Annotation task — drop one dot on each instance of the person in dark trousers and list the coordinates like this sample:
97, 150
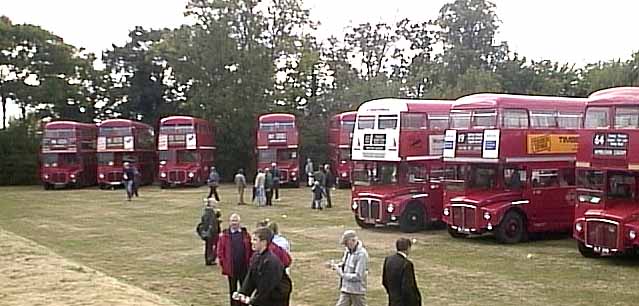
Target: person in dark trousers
209, 230
234, 252
128, 176
266, 283
213, 182
318, 194
398, 277
329, 182
137, 178
268, 187
276, 181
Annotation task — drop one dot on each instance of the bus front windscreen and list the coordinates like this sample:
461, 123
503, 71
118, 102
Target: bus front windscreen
69, 159
106, 159
374, 173
348, 126
286, 154
475, 177
49, 159
187, 156
266, 155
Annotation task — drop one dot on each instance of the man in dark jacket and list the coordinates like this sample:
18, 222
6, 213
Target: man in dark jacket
398, 277
213, 182
268, 187
128, 176
266, 276
233, 252
276, 181
329, 182
210, 227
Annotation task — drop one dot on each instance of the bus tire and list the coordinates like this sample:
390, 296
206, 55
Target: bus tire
512, 228
363, 224
412, 220
586, 251
46, 186
455, 234
164, 185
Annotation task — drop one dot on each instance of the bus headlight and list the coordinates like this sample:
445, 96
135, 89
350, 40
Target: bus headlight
111, 163
54, 165
46, 176
101, 175
486, 215
446, 211
632, 234
72, 175
293, 173
579, 227
390, 208
191, 175
344, 174
354, 205
163, 174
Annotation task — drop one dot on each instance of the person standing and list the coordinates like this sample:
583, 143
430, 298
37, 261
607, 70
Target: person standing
329, 182
276, 181
209, 230
213, 182
353, 271
240, 183
398, 277
234, 252
260, 193
128, 176
308, 169
268, 187
266, 283
318, 194
137, 178
278, 239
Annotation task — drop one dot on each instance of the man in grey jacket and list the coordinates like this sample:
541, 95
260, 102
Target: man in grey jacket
352, 271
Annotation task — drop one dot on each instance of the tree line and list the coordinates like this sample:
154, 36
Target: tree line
242, 58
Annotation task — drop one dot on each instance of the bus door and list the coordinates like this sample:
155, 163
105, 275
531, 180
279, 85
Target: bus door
552, 192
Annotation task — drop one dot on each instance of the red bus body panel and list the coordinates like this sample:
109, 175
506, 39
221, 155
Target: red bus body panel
186, 150
121, 140
531, 149
603, 226
67, 154
278, 141
340, 135
405, 148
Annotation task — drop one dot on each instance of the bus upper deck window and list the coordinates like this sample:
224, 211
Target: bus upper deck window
515, 118
597, 117
460, 119
627, 117
387, 122
365, 122
484, 118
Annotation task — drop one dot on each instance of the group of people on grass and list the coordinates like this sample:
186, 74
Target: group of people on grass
257, 266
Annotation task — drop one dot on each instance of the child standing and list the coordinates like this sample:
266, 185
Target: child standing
318, 195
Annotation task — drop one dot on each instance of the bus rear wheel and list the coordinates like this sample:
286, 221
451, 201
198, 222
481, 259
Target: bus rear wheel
586, 251
512, 228
455, 234
412, 220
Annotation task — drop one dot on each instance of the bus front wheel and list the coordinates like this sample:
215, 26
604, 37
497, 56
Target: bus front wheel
512, 228
412, 220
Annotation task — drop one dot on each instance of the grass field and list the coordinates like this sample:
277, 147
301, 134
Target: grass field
150, 244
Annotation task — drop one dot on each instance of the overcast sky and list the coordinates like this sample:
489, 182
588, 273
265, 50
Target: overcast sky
574, 31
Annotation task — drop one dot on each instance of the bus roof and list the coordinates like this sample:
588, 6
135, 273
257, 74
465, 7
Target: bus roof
123, 123
392, 105
615, 96
65, 124
487, 100
277, 117
350, 115
182, 120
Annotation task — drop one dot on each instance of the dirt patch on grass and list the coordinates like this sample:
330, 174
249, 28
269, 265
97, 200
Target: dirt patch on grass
31, 274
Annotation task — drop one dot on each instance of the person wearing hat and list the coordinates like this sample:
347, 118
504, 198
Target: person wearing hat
352, 270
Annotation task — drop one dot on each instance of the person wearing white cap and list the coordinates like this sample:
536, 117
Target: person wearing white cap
353, 271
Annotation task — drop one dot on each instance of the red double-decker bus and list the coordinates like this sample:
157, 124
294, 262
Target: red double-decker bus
186, 149
278, 142
121, 140
397, 163
510, 163
340, 135
607, 206
67, 154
